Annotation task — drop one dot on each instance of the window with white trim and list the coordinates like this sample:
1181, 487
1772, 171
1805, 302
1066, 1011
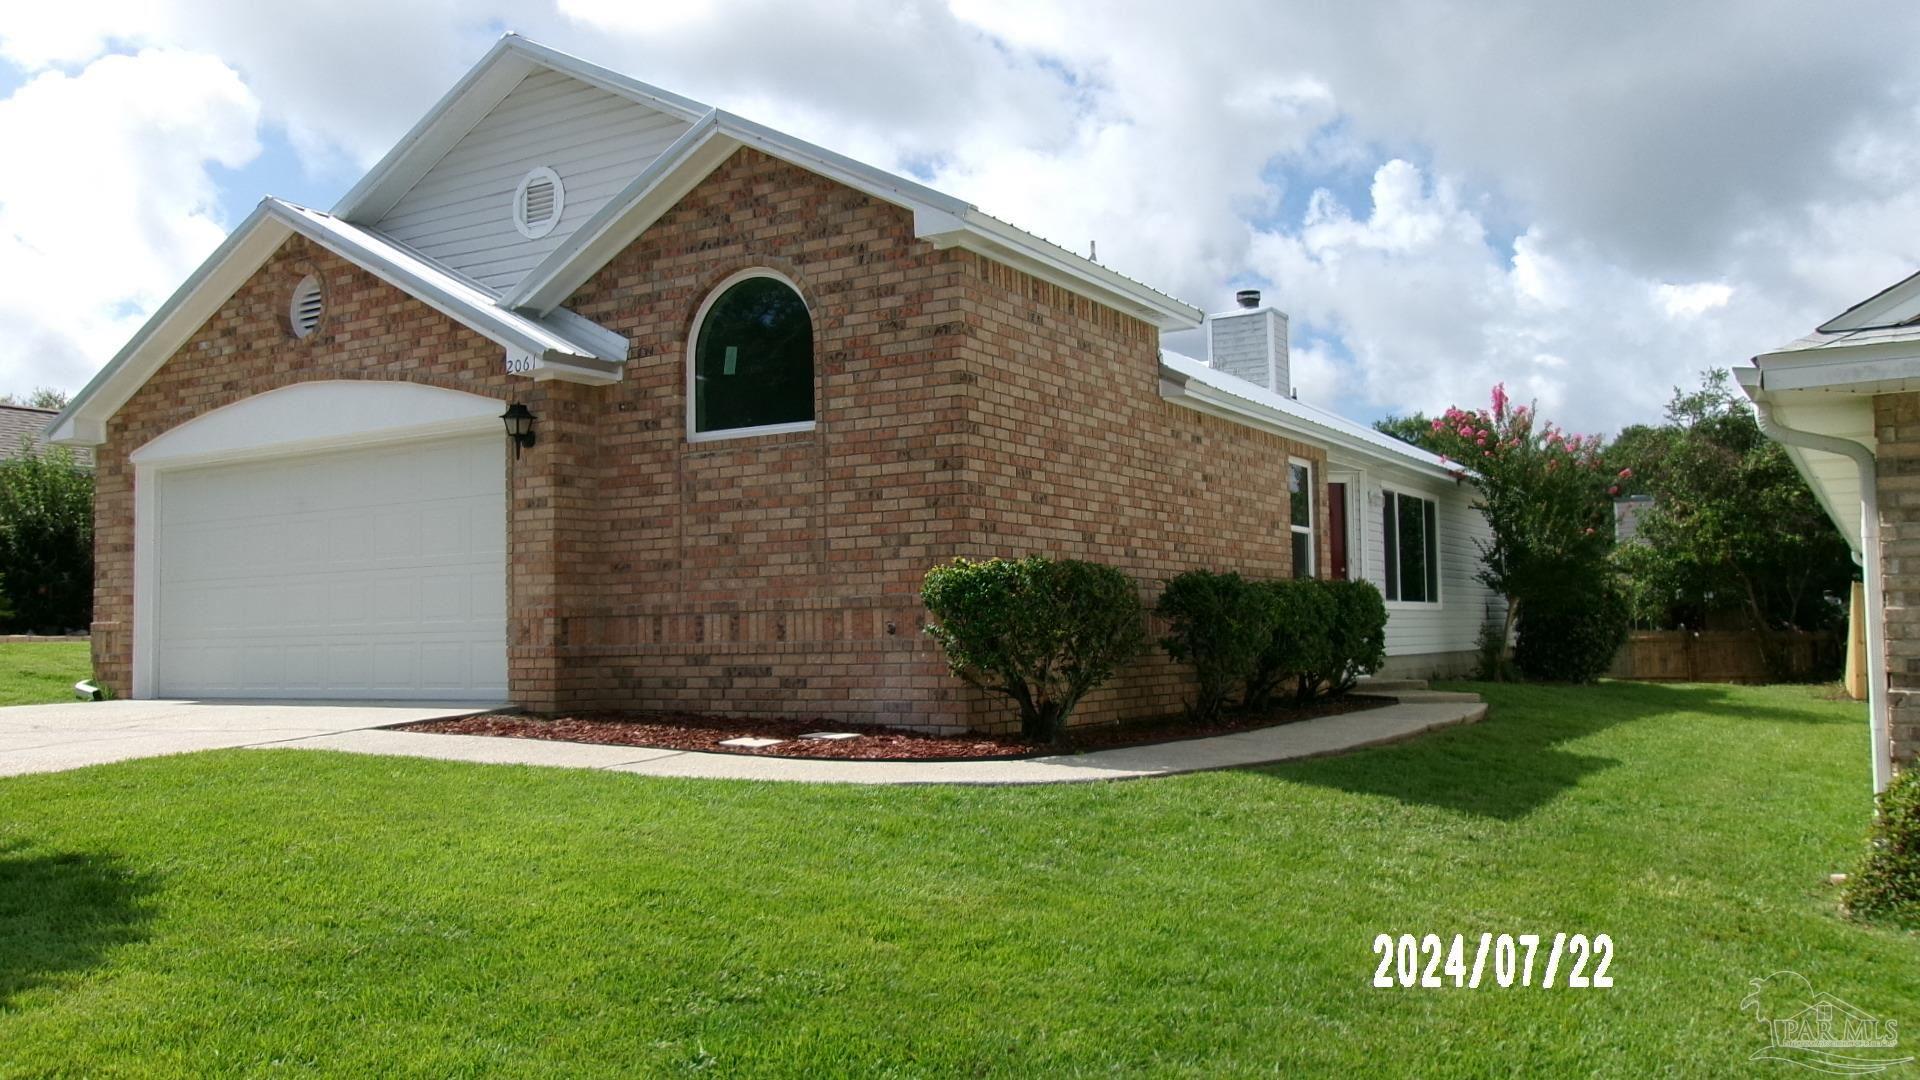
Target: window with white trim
1300, 516
750, 364
1409, 526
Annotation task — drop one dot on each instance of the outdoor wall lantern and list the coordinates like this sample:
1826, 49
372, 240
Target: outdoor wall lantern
519, 426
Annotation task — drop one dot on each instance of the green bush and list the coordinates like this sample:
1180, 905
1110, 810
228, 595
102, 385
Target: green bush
1042, 631
1356, 643
1324, 635
1574, 637
1300, 621
1219, 623
1888, 882
46, 542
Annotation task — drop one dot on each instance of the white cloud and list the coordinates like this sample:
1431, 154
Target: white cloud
1589, 203
107, 203
1698, 298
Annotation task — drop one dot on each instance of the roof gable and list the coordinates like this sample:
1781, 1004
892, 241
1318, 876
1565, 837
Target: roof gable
1896, 305
478, 93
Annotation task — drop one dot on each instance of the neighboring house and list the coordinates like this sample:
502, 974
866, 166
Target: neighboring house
1845, 401
769, 387
22, 431
1627, 511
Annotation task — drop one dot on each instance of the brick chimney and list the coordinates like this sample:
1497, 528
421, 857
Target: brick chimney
1251, 342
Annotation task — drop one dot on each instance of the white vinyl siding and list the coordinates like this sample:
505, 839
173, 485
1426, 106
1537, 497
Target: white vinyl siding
461, 213
1453, 624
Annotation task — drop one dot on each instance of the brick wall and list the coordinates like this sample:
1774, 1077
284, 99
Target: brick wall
963, 408
1077, 454
1897, 422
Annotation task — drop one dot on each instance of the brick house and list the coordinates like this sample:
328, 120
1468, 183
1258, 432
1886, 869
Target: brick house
1845, 402
769, 387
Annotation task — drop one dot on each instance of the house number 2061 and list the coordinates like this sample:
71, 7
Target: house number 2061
519, 363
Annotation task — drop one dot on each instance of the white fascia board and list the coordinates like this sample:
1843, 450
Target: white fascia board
485, 85
1869, 368
989, 236
1876, 310
563, 345
83, 422
939, 218
453, 297
1190, 393
690, 159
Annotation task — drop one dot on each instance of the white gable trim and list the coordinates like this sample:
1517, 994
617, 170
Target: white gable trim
1891, 306
562, 346
939, 218
483, 87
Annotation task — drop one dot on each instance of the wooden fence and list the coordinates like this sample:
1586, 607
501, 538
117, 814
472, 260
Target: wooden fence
1721, 656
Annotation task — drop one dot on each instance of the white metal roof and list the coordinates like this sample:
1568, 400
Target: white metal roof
563, 339
1252, 403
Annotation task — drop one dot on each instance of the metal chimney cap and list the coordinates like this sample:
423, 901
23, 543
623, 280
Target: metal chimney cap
1247, 298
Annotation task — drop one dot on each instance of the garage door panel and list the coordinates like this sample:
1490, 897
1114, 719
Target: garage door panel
373, 573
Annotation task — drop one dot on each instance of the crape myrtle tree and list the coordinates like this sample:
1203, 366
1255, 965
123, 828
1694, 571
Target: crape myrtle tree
1545, 494
1733, 526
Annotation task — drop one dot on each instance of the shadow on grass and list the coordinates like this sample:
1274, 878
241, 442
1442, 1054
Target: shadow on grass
1512, 763
63, 912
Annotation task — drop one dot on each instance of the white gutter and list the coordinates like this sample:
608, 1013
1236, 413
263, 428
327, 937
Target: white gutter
1869, 557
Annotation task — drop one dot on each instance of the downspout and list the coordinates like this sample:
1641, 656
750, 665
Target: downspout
1869, 559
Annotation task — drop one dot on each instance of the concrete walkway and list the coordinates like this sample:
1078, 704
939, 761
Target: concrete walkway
50, 738
1309, 738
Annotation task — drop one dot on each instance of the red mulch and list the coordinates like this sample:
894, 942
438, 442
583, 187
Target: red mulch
690, 731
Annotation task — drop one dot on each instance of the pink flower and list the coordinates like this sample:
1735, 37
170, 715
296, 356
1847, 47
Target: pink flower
1626, 474
1499, 401
1589, 531
1614, 490
1482, 440
1437, 425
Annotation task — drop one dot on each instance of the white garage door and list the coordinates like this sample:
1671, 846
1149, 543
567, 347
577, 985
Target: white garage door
374, 574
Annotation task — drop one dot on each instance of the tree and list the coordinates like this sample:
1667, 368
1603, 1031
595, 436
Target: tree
1733, 526
1415, 430
1544, 494
44, 397
46, 541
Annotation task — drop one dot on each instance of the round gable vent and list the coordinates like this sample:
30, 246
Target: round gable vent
537, 203
307, 307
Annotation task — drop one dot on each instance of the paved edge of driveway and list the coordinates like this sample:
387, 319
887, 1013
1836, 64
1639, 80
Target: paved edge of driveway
1288, 742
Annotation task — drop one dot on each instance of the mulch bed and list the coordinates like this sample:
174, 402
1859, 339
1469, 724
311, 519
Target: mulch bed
691, 731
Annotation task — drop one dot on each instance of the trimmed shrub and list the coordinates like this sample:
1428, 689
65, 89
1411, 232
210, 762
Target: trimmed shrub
1356, 642
1220, 623
1300, 621
1324, 635
1574, 638
1888, 882
1041, 631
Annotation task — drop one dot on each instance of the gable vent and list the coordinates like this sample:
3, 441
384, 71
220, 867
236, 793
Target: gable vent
308, 305
537, 203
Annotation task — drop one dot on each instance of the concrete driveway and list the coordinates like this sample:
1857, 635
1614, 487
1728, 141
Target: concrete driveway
50, 738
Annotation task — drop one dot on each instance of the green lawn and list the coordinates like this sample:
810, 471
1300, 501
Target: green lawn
252, 912
40, 671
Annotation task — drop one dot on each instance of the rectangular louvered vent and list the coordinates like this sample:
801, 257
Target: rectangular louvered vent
540, 199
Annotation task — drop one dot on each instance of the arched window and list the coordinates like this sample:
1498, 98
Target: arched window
750, 367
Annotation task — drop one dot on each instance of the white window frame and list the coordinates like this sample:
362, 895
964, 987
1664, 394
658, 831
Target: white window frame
1313, 517
693, 348
1438, 595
